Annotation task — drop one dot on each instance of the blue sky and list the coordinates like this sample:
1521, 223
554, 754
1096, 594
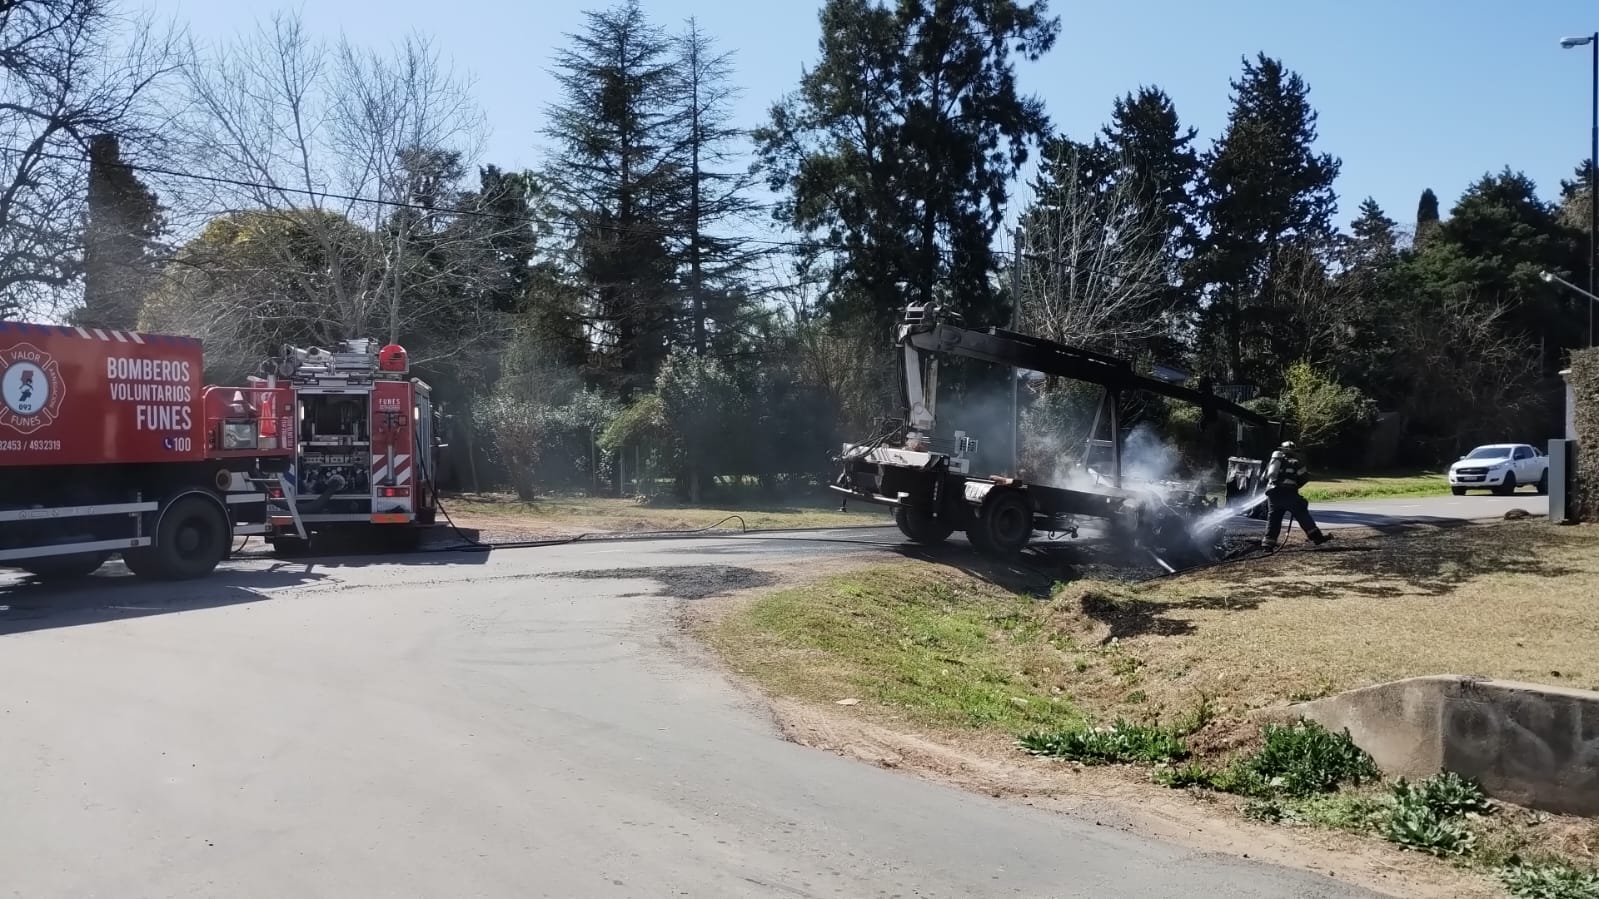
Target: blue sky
1411, 93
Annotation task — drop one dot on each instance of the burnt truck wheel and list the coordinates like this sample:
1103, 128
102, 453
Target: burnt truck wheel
66, 568
191, 540
1003, 525
919, 526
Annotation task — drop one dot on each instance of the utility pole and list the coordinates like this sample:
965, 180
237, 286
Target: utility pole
1592, 42
1015, 376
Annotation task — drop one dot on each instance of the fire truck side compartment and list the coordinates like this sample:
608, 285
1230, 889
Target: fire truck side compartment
108, 440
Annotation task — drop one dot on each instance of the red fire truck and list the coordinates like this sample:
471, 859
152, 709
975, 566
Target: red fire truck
364, 439
110, 443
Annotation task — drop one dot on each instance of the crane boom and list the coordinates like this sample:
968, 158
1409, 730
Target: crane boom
922, 332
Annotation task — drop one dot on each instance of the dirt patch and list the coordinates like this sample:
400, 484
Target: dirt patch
684, 582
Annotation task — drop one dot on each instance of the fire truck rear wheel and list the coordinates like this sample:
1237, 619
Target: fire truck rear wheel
920, 526
66, 568
1003, 525
192, 538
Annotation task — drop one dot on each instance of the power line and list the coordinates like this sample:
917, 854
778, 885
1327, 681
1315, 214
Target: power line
398, 204
1014, 253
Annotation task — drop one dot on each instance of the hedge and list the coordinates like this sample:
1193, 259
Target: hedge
1584, 380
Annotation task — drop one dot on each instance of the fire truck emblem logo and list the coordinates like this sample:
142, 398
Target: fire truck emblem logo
31, 389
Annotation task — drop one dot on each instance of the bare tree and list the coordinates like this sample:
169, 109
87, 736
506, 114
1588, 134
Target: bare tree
72, 70
1092, 273
1307, 313
852, 367
1466, 378
354, 160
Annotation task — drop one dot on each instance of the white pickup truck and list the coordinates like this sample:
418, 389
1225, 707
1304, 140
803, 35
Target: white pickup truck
1500, 467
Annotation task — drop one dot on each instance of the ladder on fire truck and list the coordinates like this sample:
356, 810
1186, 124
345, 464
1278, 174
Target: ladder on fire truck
355, 360
285, 489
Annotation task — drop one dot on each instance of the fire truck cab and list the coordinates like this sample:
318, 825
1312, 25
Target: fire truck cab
365, 444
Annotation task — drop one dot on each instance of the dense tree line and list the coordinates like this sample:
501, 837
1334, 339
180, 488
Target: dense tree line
609, 320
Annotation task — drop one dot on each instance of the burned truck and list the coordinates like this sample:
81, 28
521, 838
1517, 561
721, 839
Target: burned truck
929, 481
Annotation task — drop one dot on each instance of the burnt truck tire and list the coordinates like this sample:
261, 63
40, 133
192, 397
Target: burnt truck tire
66, 568
191, 540
921, 527
1003, 525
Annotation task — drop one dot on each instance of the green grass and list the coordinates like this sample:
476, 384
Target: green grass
939, 651
625, 515
1335, 488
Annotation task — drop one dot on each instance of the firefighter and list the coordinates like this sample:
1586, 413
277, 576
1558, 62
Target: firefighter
1285, 474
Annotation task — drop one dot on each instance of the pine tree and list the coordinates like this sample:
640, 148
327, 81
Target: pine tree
1426, 216
1375, 234
123, 223
897, 149
1497, 240
716, 194
1267, 197
1147, 135
1160, 160
617, 178
1575, 197
504, 210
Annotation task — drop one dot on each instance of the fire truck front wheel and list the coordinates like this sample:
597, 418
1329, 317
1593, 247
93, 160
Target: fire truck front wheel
191, 539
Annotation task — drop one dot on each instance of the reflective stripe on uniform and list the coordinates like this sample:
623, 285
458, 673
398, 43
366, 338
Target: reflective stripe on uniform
1286, 473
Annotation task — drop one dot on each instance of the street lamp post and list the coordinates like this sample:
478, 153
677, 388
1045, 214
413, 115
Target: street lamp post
1591, 40
1593, 298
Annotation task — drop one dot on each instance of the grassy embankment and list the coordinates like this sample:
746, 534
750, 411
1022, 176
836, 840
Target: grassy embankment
936, 650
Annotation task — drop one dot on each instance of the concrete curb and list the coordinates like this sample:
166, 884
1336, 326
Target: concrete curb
1531, 744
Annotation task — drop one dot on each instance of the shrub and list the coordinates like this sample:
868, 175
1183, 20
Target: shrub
1584, 379
1121, 743
1553, 881
516, 428
1430, 816
1305, 758
1296, 760
1324, 412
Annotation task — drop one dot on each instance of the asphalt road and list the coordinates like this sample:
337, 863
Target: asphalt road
521, 723
1381, 513
506, 724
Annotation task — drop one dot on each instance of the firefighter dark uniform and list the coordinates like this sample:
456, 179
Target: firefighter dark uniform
1284, 476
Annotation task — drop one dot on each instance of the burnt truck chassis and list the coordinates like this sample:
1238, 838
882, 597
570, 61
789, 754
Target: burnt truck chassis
934, 495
